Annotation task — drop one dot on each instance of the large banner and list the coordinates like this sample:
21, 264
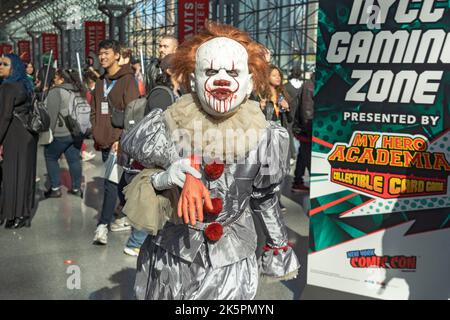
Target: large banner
50, 42
5, 48
24, 48
191, 17
95, 32
380, 200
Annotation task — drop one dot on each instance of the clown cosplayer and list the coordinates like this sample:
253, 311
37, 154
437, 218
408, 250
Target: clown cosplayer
226, 162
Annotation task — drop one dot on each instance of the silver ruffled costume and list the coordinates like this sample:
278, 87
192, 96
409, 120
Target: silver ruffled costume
180, 262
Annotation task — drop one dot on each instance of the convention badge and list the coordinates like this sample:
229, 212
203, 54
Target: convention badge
105, 108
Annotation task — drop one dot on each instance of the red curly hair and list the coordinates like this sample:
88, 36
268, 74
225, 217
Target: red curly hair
184, 59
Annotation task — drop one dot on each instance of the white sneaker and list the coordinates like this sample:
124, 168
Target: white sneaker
121, 224
134, 252
87, 156
101, 234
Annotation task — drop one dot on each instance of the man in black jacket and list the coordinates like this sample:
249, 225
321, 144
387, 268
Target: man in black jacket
302, 130
167, 45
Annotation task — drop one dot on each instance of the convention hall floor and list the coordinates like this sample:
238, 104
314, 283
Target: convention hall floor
34, 262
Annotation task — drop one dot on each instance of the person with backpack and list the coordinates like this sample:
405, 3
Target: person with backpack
167, 45
113, 92
162, 96
165, 92
62, 103
19, 144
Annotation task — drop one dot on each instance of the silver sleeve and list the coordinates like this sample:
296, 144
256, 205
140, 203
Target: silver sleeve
278, 260
149, 142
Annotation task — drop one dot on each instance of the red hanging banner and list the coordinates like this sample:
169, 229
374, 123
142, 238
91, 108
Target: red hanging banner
24, 47
50, 42
95, 31
6, 48
191, 17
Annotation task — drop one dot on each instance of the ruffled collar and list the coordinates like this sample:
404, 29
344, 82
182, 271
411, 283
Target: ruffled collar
223, 139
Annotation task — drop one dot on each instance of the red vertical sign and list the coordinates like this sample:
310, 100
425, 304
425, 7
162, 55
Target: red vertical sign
50, 42
191, 17
95, 31
24, 47
6, 48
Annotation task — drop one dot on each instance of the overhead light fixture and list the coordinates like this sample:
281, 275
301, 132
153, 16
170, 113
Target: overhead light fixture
10, 10
17, 6
17, 11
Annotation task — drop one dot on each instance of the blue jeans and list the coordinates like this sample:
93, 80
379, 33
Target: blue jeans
53, 152
109, 196
136, 238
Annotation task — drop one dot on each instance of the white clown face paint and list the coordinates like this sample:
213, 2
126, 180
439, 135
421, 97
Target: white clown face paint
222, 80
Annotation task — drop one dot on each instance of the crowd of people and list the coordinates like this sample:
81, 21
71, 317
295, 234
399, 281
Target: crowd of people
112, 80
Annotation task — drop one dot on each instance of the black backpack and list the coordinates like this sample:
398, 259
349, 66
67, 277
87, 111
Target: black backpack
37, 120
152, 72
137, 109
151, 104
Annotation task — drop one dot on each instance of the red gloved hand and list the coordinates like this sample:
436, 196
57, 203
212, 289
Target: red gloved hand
190, 205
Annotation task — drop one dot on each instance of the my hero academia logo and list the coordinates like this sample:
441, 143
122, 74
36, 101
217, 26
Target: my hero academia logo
368, 259
389, 165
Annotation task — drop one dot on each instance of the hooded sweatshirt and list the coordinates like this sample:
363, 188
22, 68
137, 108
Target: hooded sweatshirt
124, 91
58, 101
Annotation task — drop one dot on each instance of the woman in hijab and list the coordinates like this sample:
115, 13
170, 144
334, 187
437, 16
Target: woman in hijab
19, 145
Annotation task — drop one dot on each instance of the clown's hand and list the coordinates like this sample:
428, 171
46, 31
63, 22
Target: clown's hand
193, 198
175, 175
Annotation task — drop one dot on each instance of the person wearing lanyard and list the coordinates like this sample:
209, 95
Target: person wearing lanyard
114, 90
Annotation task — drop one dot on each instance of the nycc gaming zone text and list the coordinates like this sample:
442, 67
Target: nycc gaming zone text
421, 49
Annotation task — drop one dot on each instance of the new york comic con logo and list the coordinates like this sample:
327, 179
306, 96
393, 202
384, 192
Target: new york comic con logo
389, 165
368, 259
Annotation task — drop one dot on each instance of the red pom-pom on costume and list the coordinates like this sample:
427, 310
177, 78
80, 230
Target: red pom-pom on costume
214, 170
217, 207
214, 231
